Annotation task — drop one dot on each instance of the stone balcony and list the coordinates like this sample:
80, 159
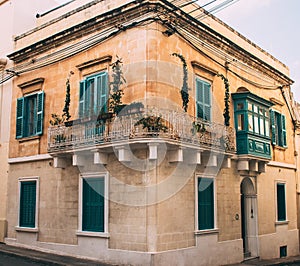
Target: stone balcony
149, 128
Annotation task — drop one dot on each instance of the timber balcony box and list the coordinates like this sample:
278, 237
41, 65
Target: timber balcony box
173, 127
252, 123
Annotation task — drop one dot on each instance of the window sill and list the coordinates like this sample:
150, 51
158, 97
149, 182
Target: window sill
279, 147
93, 234
26, 229
29, 138
282, 222
207, 232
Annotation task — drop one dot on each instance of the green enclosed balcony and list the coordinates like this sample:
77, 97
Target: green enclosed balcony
252, 123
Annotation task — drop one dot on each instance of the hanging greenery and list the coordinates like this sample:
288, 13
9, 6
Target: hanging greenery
116, 92
66, 110
56, 120
152, 123
226, 112
184, 89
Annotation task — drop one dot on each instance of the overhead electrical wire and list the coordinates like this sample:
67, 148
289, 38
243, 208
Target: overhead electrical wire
112, 31
192, 39
237, 63
72, 49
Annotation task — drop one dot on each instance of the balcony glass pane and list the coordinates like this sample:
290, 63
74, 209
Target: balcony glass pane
250, 122
255, 109
262, 126
240, 106
241, 122
267, 128
250, 106
256, 127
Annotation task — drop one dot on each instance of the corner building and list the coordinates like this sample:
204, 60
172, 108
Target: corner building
195, 165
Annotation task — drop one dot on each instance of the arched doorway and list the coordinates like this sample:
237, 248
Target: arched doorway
249, 218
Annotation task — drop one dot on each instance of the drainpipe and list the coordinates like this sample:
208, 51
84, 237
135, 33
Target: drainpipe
3, 63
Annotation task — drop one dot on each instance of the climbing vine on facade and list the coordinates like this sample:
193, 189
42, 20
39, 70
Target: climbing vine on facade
184, 89
66, 110
116, 90
226, 112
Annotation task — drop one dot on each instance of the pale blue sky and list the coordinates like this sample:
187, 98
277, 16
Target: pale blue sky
271, 24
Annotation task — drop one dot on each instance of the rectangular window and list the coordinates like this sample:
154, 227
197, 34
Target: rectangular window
241, 122
281, 205
30, 114
205, 203
28, 195
93, 95
93, 204
203, 99
278, 127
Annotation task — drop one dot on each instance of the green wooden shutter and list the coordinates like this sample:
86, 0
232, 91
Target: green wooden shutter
203, 99
205, 203
102, 92
199, 99
82, 99
93, 205
27, 204
283, 132
207, 100
281, 208
273, 127
20, 118
40, 113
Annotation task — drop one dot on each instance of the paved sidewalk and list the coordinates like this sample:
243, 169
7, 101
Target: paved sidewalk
52, 259
47, 258
292, 261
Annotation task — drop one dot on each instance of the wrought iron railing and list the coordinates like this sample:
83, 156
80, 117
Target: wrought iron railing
154, 123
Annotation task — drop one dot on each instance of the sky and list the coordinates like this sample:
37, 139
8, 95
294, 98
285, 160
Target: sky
270, 24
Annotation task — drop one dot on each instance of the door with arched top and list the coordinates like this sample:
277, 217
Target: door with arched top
249, 218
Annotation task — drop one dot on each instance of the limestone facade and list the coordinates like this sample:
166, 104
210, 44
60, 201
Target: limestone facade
16, 17
152, 180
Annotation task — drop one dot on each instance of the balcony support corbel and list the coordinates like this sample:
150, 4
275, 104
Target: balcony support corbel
124, 154
192, 156
212, 160
77, 160
226, 162
60, 162
100, 157
176, 156
253, 165
153, 155
243, 165
262, 167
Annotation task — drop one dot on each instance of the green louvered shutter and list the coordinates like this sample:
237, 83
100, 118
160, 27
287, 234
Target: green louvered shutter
93, 205
205, 203
102, 92
199, 99
82, 99
27, 204
281, 208
207, 100
40, 113
203, 99
20, 118
283, 133
273, 127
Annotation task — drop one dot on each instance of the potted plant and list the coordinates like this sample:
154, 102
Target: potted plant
57, 121
197, 127
152, 124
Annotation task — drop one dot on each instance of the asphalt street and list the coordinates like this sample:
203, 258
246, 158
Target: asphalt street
8, 260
